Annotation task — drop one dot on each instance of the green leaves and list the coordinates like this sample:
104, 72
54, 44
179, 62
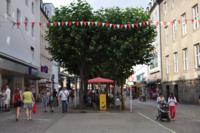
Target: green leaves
100, 51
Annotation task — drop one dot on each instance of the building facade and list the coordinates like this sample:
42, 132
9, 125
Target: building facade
51, 78
181, 49
19, 43
49, 9
154, 69
45, 57
140, 73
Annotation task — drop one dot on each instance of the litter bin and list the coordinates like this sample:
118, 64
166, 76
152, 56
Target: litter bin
143, 98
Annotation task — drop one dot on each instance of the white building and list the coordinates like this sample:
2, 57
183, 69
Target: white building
140, 73
19, 44
55, 75
154, 75
48, 11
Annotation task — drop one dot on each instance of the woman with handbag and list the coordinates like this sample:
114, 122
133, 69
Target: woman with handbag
17, 102
29, 101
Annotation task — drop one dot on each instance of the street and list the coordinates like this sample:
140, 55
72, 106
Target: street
95, 54
141, 120
41, 121
187, 120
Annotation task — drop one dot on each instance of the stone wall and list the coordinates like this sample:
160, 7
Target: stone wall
188, 90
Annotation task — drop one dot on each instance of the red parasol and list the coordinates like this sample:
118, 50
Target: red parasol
100, 80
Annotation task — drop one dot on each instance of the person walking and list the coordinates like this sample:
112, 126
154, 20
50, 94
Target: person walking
17, 102
44, 101
51, 102
28, 100
2, 100
172, 106
160, 100
199, 99
7, 98
55, 100
63, 95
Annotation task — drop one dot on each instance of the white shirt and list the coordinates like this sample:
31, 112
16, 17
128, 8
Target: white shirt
172, 101
7, 94
160, 99
63, 94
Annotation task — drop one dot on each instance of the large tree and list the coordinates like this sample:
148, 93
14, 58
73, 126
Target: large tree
77, 48
92, 50
127, 48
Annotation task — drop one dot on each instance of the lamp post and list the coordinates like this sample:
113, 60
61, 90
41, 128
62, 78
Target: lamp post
52, 80
131, 100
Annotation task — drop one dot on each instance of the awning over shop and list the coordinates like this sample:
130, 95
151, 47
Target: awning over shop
153, 82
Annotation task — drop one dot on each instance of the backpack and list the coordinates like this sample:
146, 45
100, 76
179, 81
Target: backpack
51, 98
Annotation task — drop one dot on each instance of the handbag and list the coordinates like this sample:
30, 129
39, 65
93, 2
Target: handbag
34, 108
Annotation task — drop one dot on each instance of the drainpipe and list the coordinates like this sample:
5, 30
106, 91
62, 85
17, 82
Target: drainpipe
160, 28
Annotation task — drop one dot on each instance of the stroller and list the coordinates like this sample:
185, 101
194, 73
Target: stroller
163, 112
118, 103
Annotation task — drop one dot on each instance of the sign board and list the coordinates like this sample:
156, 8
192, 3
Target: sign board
102, 99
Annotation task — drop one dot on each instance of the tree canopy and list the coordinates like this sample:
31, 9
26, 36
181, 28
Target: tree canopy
100, 51
127, 47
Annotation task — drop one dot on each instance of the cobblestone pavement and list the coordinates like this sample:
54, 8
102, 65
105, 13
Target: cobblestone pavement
187, 120
41, 121
141, 120
106, 122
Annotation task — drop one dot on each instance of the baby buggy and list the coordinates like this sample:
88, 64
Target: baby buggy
163, 112
118, 103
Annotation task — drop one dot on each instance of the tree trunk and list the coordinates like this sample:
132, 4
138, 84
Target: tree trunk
81, 98
83, 86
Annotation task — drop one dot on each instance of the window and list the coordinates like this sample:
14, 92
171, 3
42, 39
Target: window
175, 62
32, 30
195, 16
174, 29
167, 64
26, 23
32, 7
26, 2
8, 7
140, 77
185, 59
18, 15
173, 2
197, 55
165, 8
156, 15
154, 61
166, 35
183, 23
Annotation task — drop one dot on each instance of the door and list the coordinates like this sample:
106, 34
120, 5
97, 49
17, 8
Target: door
176, 92
167, 91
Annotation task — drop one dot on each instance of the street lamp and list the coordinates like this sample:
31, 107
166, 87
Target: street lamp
131, 100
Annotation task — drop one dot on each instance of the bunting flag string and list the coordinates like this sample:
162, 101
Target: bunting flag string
128, 25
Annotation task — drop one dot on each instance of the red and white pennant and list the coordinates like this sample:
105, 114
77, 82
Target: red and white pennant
107, 24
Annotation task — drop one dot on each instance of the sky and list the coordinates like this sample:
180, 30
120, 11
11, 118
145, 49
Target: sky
96, 4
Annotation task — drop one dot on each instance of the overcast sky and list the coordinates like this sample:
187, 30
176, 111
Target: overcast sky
96, 4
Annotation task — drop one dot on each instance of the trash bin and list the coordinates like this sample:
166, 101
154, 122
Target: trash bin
142, 98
